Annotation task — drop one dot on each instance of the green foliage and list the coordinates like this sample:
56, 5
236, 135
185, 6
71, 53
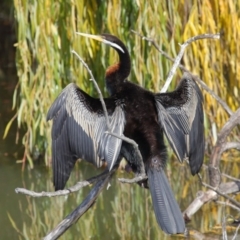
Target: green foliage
46, 35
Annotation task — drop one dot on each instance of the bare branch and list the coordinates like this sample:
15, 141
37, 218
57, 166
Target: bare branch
81, 209
230, 177
71, 189
229, 205
133, 180
219, 146
236, 233
128, 140
97, 88
225, 191
223, 174
230, 145
196, 78
204, 197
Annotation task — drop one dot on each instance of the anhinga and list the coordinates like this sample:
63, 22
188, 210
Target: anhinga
79, 131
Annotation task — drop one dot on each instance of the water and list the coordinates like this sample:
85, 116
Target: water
122, 212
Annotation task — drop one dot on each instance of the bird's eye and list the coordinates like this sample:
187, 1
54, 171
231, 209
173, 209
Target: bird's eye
155, 161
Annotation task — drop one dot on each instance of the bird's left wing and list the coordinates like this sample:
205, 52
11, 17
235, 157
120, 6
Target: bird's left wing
180, 114
79, 131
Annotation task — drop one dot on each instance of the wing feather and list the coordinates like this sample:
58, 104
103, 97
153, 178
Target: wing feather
180, 114
79, 131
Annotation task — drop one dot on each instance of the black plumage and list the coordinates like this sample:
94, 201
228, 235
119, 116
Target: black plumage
79, 128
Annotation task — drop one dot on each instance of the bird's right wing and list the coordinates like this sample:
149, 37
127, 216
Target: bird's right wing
79, 131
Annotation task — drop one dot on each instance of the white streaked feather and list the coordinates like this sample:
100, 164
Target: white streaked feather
94, 125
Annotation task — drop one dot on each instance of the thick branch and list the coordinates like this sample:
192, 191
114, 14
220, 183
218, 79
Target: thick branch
219, 146
204, 197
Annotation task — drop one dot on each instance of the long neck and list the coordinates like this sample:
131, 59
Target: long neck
117, 73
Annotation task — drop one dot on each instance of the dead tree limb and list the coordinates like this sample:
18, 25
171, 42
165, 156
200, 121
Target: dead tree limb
220, 146
216, 187
211, 194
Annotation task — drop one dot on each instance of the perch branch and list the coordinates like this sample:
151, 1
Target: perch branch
71, 189
196, 78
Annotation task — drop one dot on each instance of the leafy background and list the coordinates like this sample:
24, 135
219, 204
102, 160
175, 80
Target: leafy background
46, 35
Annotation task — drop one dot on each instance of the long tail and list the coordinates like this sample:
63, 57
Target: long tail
167, 211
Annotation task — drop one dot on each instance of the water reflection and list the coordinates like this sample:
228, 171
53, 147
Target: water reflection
121, 212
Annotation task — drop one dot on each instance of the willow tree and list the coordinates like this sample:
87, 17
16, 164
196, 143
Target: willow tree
46, 35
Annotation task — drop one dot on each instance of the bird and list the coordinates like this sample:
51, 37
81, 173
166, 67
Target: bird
79, 131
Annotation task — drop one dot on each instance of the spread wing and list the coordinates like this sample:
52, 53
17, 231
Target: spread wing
79, 131
180, 113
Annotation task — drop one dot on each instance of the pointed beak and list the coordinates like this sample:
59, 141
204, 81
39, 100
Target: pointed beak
101, 39
95, 37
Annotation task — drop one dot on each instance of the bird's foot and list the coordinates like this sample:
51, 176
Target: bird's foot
139, 178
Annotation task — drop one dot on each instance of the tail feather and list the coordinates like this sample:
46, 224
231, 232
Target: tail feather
167, 211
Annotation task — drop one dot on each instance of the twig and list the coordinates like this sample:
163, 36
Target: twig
135, 146
81, 209
229, 205
236, 233
222, 194
230, 177
230, 145
97, 88
203, 85
224, 231
223, 174
71, 189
